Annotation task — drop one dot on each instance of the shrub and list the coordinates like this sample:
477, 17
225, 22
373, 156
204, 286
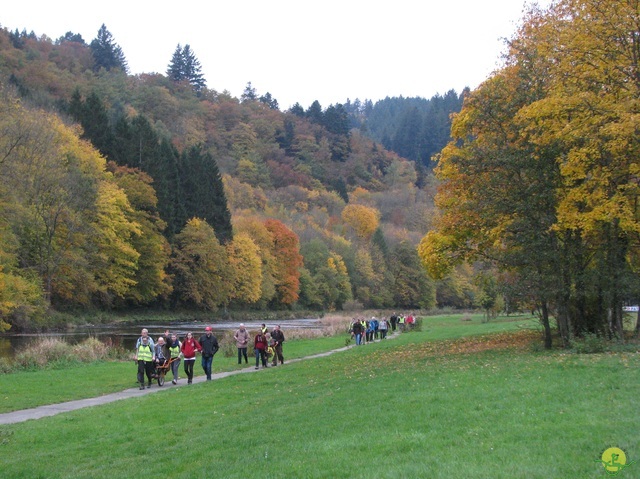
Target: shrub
90, 350
589, 344
417, 325
227, 344
42, 352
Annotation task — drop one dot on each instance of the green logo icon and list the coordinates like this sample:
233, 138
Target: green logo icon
614, 460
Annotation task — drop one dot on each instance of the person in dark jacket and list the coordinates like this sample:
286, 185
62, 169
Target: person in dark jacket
209, 345
278, 337
356, 327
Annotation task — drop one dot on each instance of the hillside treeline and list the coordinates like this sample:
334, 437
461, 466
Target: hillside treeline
120, 191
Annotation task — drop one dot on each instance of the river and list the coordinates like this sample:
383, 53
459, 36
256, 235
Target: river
126, 336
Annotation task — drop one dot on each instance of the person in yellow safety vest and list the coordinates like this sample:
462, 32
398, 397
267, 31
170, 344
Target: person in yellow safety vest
174, 345
145, 357
401, 322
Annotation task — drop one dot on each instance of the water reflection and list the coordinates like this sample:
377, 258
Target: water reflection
126, 336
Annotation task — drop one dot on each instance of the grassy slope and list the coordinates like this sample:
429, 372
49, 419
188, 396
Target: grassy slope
479, 407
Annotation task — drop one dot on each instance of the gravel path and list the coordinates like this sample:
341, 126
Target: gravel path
53, 409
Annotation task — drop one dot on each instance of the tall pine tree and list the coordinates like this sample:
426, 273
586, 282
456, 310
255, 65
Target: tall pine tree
204, 195
106, 53
185, 66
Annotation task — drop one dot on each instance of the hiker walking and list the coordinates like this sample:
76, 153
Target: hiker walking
189, 348
278, 337
209, 344
242, 340
357, 331
145, 356
393, 320
260, 349
383, 327
174, 345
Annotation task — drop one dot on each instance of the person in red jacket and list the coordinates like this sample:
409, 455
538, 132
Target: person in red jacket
189, 348
260, 349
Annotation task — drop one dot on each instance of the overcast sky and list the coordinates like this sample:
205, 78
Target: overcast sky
297, 50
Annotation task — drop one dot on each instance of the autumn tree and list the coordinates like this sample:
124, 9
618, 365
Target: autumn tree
411, 288
21, 302
263, 239
309, 296
541, 178
151, 281
200, 267
51, 178
116, 259
246, 267
363, 219
286, 251
335, 277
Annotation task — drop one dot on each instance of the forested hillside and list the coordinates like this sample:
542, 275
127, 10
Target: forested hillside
414, 128
121, 191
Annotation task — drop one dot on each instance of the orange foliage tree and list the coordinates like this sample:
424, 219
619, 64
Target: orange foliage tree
286, 251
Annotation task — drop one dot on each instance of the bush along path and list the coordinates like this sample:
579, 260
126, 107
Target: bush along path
54, 409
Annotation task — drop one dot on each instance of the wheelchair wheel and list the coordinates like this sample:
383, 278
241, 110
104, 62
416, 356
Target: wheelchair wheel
161, 374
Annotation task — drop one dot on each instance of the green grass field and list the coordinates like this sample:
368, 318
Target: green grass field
448, 401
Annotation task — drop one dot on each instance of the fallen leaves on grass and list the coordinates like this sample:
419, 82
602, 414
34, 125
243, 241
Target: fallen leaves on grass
412, 354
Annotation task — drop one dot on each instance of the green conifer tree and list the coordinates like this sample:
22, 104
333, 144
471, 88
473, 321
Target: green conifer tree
106, 53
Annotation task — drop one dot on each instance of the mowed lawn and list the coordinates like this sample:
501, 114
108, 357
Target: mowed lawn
449, 401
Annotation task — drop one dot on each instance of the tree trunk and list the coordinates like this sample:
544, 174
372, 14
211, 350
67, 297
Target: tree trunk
546, 326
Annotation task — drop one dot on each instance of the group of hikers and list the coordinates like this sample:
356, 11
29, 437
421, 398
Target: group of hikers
168, 351
364, 331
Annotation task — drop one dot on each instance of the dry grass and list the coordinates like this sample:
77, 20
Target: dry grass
51, 351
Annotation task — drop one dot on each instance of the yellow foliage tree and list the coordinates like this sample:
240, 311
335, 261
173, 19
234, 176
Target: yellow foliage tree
542, 175
246, 265
117, 259
363, 219
200, 266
